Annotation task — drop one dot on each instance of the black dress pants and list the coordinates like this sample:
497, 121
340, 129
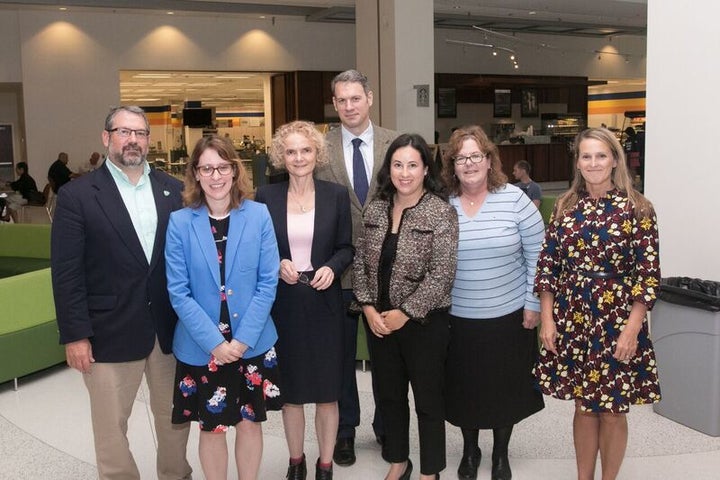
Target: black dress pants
413, 355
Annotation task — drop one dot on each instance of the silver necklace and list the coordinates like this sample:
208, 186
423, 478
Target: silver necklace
303, 209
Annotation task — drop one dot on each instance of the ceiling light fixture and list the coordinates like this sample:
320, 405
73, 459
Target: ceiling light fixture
494, 48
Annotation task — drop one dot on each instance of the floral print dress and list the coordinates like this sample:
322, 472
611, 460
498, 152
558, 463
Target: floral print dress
599, 235
219, 396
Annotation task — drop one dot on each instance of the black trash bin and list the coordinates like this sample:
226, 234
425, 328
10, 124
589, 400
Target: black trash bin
686, 335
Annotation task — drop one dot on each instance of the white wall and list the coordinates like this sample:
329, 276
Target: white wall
70, 63
681, 150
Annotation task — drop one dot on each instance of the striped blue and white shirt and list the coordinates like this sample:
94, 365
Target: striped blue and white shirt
497, 253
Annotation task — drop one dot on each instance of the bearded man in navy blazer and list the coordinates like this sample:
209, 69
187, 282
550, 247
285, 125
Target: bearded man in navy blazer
111, 299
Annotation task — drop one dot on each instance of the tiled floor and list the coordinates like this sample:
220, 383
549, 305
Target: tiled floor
45, 434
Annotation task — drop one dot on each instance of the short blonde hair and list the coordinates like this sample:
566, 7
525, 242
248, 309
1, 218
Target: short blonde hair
307, 130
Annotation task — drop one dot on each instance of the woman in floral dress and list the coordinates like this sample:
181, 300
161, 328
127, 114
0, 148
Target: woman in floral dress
222, 258
597, 276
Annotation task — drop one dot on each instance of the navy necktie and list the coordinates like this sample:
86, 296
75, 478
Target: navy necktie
360, 182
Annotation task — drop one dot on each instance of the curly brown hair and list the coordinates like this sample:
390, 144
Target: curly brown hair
495, 179
193, 195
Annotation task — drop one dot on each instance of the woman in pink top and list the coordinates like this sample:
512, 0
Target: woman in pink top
314, 233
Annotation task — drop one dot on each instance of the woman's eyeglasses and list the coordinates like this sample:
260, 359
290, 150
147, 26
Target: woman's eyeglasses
473, 158
208, 170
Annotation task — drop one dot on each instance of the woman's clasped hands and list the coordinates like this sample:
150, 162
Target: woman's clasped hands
228, 352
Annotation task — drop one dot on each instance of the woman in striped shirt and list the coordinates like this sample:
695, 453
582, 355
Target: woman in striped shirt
494, 311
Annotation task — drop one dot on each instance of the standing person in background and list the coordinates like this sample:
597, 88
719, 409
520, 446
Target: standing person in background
111, 297
521, 172
314, 231
597, 277
402, 276
355, 152
493, 339
222, 263
59, 174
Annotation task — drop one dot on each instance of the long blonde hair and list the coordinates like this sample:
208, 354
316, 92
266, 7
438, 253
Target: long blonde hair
620, 177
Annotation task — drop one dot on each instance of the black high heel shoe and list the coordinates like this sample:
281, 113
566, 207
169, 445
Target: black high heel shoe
469, 464
297, 472
501, 468
408, 471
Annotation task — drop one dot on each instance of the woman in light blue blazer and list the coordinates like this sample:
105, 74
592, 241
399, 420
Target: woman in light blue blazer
222, 269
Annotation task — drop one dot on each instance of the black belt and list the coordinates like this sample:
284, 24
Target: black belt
603, 275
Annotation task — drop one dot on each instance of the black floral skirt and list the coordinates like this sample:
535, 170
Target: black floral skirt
221, 396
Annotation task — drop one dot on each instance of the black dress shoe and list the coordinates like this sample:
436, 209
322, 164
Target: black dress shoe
408, 471
321, 473
344, 453
469, 463
297, 472
501, 468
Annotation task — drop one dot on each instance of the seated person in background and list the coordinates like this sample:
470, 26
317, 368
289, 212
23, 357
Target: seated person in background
4, 212
521, 172
59, 174
25, 191
93, 163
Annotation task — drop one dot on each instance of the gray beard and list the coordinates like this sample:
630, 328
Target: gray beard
127, 161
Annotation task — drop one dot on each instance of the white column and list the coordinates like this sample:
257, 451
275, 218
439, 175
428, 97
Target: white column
395, 45
681, 152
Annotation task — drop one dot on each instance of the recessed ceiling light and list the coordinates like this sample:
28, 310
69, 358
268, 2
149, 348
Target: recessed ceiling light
62, 9
532, 12
171, 13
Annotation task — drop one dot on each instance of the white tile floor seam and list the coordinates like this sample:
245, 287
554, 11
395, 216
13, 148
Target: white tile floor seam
45, 433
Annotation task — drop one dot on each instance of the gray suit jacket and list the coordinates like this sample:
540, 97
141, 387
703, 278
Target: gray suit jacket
336, 172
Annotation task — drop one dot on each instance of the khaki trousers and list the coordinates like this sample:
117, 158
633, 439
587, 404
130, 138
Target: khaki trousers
113, 388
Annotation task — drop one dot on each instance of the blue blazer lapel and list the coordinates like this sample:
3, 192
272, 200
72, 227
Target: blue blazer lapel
206, 242
235, 232
111, 203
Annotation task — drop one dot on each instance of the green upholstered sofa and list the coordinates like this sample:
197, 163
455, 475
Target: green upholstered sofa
29, 339
23, 248
546, 207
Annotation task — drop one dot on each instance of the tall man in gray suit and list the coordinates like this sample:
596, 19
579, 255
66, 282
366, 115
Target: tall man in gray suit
356, 150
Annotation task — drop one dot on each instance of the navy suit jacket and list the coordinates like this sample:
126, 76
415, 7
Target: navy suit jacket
332, 235
103, 285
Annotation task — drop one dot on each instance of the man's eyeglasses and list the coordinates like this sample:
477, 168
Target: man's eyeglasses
208, 170
474, 158
141, 134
